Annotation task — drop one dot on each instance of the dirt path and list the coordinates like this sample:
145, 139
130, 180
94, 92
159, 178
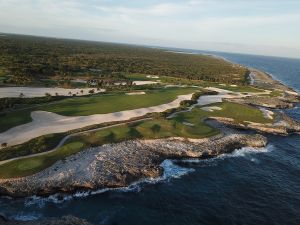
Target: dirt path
63, 141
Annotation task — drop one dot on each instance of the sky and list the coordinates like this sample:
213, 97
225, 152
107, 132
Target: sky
264, 27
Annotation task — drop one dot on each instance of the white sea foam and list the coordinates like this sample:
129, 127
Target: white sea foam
171, 171
246, 152
22, 216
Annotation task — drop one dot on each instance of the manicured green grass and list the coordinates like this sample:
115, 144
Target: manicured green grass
240, 113
138, 76
12, 119
106, 103
156, 128
97, 104
28, 166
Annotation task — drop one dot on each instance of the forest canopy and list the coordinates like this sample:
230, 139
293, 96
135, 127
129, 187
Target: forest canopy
27, 59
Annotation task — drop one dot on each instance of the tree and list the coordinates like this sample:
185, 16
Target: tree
4, 145
92, 91
155, 128
134, 133
110, 137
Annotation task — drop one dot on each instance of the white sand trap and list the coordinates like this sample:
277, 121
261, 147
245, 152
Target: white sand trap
29, 92
152, 76
188, 124
209, 99
144, 82
47, 123
136, 93
211, 108
268, 114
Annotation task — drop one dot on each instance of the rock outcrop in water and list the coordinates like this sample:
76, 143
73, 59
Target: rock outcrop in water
118, 165
283, 125
264, 101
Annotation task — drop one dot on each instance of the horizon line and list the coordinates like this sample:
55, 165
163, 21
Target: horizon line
150, 46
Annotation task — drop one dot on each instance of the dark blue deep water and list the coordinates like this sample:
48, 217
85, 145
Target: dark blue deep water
245, 187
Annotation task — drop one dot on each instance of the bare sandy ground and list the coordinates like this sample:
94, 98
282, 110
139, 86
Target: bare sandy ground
29, 92
210, 99
47, 123
136, 93
211, 108
144, 82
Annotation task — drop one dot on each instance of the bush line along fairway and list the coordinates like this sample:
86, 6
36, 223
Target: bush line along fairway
98, 104
186, 125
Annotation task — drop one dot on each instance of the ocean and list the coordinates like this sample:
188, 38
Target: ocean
245, 187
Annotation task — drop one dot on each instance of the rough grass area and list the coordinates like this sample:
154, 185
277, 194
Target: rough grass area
36, 145
98, 104
239, 88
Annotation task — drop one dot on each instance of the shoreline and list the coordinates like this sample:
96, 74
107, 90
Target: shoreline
119, 164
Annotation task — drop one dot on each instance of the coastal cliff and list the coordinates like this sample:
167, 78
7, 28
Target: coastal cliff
119, 164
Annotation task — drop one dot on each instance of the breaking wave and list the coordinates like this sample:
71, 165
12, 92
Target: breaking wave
171, 171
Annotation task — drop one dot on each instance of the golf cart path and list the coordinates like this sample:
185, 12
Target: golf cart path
47, 123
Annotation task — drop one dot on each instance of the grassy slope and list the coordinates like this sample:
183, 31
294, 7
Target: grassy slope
97, 104
114, 103
157, 128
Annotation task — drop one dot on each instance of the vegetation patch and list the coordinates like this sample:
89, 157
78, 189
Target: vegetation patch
33, 60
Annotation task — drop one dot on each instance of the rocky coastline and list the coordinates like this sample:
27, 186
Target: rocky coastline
282, 125
119, 164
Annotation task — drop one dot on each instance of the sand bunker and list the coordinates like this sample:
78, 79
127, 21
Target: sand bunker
152, 76
211, 108
136, 93
144, 82
30, 92
47, 123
